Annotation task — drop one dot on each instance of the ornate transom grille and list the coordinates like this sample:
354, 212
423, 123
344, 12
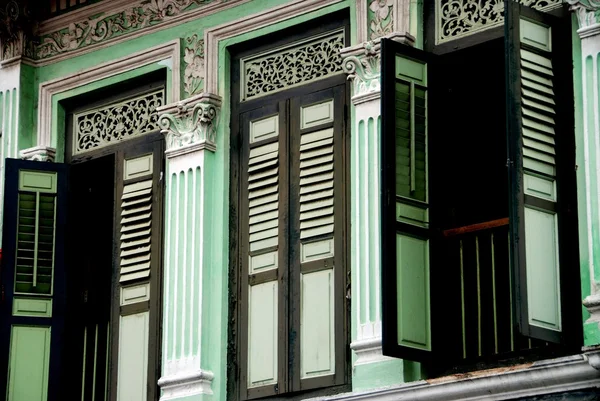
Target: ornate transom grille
295, 64
459, 18
104, 126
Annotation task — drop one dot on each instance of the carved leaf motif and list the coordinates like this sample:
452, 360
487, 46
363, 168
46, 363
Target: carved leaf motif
117, 122
193, 75
380, 18
458, 18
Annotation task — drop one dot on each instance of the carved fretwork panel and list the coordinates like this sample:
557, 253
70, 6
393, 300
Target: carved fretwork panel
295, 64
107, 125
459, 18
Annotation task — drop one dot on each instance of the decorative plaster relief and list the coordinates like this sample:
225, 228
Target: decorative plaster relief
191, 123
380, 17
363, 67
301, 62
588, 12
38, 153
101, 27
459, 18
93, 129
193, 78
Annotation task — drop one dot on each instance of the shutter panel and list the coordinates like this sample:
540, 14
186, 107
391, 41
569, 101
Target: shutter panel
33, 279
264, 269
406, 238
541, 174
316, 239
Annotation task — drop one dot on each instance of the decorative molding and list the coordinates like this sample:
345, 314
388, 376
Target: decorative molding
39, 153
191, 124
116, 122
213, 35
167, 51
545, 377
363, 65
587, 11
298, 63
368, 351
592, 304
111, 22
185, 384
381, 21
459, 18
193, 76
17, 23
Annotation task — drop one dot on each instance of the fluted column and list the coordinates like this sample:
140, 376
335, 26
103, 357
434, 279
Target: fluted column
190, 130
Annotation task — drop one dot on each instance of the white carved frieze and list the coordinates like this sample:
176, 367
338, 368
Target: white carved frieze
191, 124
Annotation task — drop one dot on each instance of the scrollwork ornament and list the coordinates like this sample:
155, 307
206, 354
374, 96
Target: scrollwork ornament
587, 11
364, 70
189, 126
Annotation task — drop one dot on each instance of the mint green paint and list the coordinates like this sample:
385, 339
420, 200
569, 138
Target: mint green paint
29, 363
26, 135
363, 165
591, 334
374, 232
413, 371
381, 374
589, 72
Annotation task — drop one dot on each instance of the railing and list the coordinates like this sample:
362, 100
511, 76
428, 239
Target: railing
479, 255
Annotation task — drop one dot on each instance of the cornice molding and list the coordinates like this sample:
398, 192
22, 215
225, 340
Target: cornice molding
187, 383
39, 153
588, 15
363, 65
191, 124
111, 22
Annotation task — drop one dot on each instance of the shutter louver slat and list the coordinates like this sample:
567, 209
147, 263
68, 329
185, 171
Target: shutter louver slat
316, 184
538, 112
263, 196
136, 231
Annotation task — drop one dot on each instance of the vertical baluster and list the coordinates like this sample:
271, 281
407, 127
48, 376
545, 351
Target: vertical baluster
462, 301
512, 340
83, 363
478, 295
494, 292
107, 361
95, 364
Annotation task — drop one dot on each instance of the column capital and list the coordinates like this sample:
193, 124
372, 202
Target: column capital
362, 63
588, 15
38, 153
190, 124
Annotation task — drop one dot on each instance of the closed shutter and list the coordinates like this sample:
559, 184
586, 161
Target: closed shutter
264, 210
542, 167
33, 280
406, 236
317, 240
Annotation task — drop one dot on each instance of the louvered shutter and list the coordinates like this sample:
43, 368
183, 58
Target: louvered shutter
541, 169
137, 302
263, 248
33, 279
316, 238
405, 209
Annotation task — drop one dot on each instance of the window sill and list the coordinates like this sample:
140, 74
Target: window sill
543, 377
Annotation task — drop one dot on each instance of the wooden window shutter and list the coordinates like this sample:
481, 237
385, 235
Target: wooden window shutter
317, 259
33, 278
263, 251
406, 234
541, 162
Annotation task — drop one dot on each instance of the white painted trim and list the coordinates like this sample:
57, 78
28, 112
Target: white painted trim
169, 50
212, 36
64, 21
362, 21
186, 384
369, 351
545, 377
589, 31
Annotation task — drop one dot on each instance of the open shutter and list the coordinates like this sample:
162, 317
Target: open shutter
33, 280
406, 233
541, 170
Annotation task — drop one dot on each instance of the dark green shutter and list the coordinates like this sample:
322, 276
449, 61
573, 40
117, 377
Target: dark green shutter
406, 237
541, 171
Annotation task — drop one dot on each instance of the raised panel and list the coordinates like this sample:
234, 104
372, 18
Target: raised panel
138, 167
536, 34
133, 357
543, 283
316, 114
412, 280
29, 363
37, 181
540, 187
264, 262
264, 129
317, 323
262, 334
134, 294
418, 215
316, 250
32, 307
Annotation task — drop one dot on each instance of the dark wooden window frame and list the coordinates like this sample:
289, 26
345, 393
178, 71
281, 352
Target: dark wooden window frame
343, 361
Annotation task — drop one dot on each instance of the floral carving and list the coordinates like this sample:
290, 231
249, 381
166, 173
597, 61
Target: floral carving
457, 18
191, 123
364, 69
381, 22
295, 65
117, 122
588, 11
193, 76
101, 28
